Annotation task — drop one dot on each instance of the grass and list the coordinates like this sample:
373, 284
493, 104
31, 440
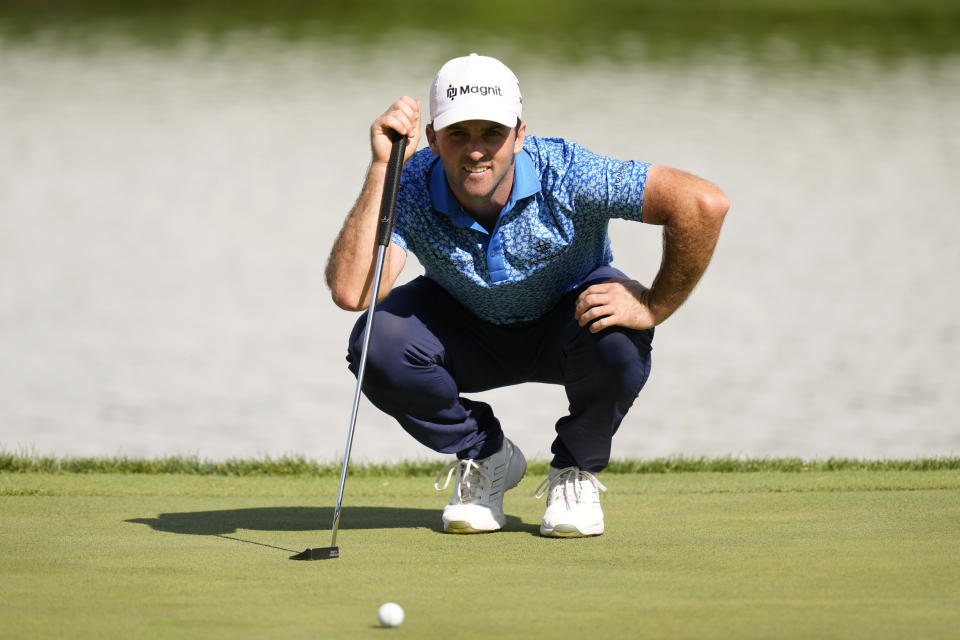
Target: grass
772, 553
301, 466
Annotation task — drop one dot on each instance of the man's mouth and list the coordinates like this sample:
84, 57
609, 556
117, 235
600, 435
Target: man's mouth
476, 169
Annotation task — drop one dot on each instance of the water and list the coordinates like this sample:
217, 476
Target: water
166, 212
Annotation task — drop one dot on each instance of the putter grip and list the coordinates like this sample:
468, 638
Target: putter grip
390, 187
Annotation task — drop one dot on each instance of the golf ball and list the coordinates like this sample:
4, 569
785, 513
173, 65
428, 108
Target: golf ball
390, 614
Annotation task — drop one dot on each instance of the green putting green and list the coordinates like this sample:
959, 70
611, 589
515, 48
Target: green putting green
843, 554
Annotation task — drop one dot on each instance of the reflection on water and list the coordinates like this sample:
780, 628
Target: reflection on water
165, 214
566, 30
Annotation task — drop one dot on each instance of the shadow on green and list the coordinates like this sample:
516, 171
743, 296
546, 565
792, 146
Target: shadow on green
221, 522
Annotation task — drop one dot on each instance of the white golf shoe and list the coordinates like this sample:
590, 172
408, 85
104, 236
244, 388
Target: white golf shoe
476, 505
573, 504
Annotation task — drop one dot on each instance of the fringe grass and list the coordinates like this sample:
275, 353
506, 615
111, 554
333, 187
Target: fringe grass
302, 467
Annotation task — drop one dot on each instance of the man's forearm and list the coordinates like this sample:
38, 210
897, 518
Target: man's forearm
688, 245
349, 271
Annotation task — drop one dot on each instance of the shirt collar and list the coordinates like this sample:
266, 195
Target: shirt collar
526, 182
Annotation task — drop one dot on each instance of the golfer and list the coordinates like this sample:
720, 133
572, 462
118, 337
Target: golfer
518, 286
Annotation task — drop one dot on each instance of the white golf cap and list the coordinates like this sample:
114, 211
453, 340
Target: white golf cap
475, 88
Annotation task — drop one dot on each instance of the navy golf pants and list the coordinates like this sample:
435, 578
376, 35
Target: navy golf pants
426, 350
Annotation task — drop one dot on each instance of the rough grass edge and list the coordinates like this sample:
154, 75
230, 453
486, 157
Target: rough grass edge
303, 467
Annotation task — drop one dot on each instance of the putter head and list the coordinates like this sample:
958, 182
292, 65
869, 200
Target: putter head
317, 553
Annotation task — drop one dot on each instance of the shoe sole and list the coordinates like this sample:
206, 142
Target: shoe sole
569, 531
462, 526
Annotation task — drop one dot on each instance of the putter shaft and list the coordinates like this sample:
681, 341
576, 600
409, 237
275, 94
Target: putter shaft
381, 253
384, 229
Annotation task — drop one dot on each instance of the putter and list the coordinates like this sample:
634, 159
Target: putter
384, 230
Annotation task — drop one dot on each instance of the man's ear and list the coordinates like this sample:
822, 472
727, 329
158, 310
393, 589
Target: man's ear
432, 140
521, 135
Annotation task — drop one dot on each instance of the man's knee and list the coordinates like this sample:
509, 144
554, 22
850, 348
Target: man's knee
623, 356
387, 350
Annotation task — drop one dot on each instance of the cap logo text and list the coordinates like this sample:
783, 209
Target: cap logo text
453, 92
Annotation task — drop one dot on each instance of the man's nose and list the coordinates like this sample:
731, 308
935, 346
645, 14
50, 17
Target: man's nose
475, 150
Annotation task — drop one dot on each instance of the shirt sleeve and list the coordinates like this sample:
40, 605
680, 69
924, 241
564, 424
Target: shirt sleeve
397, 237
613, 188
407, 203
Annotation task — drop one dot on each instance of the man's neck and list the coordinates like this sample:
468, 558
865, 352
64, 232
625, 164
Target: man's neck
487, 211
487, 220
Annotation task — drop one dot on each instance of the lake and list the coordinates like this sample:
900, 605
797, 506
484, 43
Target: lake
168, 197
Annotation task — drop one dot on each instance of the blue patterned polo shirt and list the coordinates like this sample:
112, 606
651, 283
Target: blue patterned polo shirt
550, 235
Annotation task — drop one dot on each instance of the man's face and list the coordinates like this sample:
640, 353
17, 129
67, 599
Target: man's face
478, 156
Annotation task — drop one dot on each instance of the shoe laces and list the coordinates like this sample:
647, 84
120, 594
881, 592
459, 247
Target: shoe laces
570, 481
470, 477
